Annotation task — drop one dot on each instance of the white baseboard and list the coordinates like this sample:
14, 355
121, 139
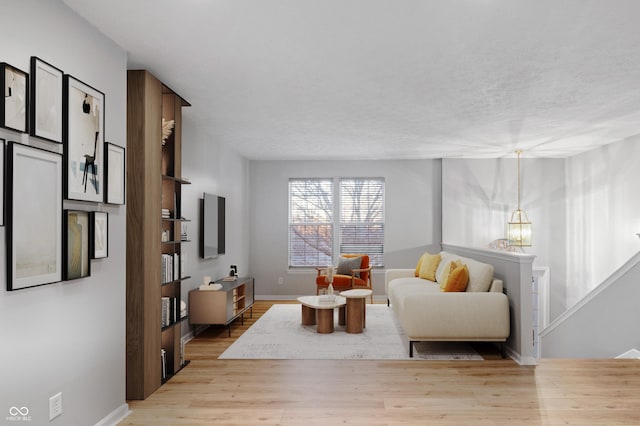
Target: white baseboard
521, 360
116, 416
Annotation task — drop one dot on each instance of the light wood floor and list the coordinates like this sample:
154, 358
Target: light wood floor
302, 392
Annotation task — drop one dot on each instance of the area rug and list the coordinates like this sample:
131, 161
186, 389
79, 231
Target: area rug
279, 334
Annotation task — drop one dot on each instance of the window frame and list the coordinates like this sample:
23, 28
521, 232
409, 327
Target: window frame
336, 236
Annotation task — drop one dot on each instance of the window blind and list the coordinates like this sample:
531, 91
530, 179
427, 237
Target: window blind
362, 218
310, 222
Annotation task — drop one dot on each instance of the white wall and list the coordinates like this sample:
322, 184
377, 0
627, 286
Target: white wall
602, 214
412, 216
478, 197
66, 337
213, 168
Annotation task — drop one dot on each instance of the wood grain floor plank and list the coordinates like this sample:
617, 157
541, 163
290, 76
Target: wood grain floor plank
395, 393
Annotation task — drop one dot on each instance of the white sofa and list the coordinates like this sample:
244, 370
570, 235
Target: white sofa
426, 313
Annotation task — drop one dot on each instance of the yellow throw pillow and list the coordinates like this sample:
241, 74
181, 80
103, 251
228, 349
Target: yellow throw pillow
444, 275
420, 264
458, 279
429, 265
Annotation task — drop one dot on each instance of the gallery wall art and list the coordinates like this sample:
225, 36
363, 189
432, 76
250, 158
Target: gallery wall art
77, 229
34, 216
100, 235
2, 188
14, 109
46, 101
115, 163
83, 136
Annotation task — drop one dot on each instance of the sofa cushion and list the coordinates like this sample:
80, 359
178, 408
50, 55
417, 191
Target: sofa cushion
458, 278
444, 274
401, 289
446, 258
347, 264
419, 265
480, 275
429, 266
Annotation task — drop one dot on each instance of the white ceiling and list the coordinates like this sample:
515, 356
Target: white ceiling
372, 79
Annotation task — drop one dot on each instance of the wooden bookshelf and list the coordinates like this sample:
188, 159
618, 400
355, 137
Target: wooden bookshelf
154, 185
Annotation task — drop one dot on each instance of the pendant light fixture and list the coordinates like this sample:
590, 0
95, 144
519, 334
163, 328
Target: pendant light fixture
519, 229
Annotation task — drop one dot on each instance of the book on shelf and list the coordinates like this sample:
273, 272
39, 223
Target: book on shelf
163, 359
166, 308
170, 311
176, 267
171, 265
230, 278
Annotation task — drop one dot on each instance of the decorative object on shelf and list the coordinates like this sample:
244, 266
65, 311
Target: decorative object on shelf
167, 128
210, 286
100, 237
83, 141
519, 229
34, 235
234, 271
45, 113
76, 245
13, 111
502, 244
114, 166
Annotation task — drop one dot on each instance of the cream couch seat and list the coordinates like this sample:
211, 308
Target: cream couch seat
481, 313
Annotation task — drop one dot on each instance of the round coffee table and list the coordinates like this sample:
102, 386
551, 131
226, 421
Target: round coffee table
356, 309
314, 307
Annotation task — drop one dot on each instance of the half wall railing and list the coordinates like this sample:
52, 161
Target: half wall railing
603, 324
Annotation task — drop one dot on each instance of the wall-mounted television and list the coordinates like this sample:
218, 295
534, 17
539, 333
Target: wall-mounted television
212, 226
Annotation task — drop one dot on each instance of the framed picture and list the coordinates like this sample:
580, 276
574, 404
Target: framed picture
114, 164
100, 235
76, 244
13, 111
83, 137
46, 101
2, 188
34, 216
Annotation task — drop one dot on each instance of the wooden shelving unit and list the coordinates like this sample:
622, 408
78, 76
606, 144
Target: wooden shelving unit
154, 257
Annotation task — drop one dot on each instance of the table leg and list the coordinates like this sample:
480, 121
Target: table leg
355, 316
341, 315
308, 315
325, 321
364, 313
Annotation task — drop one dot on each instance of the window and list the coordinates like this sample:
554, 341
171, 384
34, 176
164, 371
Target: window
310, 222
359, 207
362, 218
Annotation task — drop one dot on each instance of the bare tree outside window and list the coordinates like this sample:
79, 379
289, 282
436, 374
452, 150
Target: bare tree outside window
362, 218
310, 222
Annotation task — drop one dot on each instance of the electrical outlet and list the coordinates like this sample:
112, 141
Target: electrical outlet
280, 280
55, 406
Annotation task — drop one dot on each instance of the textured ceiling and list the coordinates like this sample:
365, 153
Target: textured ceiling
371, 79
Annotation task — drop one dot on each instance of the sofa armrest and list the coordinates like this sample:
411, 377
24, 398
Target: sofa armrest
392, 274
456, 316
496, 286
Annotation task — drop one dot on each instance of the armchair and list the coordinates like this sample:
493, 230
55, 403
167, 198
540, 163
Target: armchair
349, 278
